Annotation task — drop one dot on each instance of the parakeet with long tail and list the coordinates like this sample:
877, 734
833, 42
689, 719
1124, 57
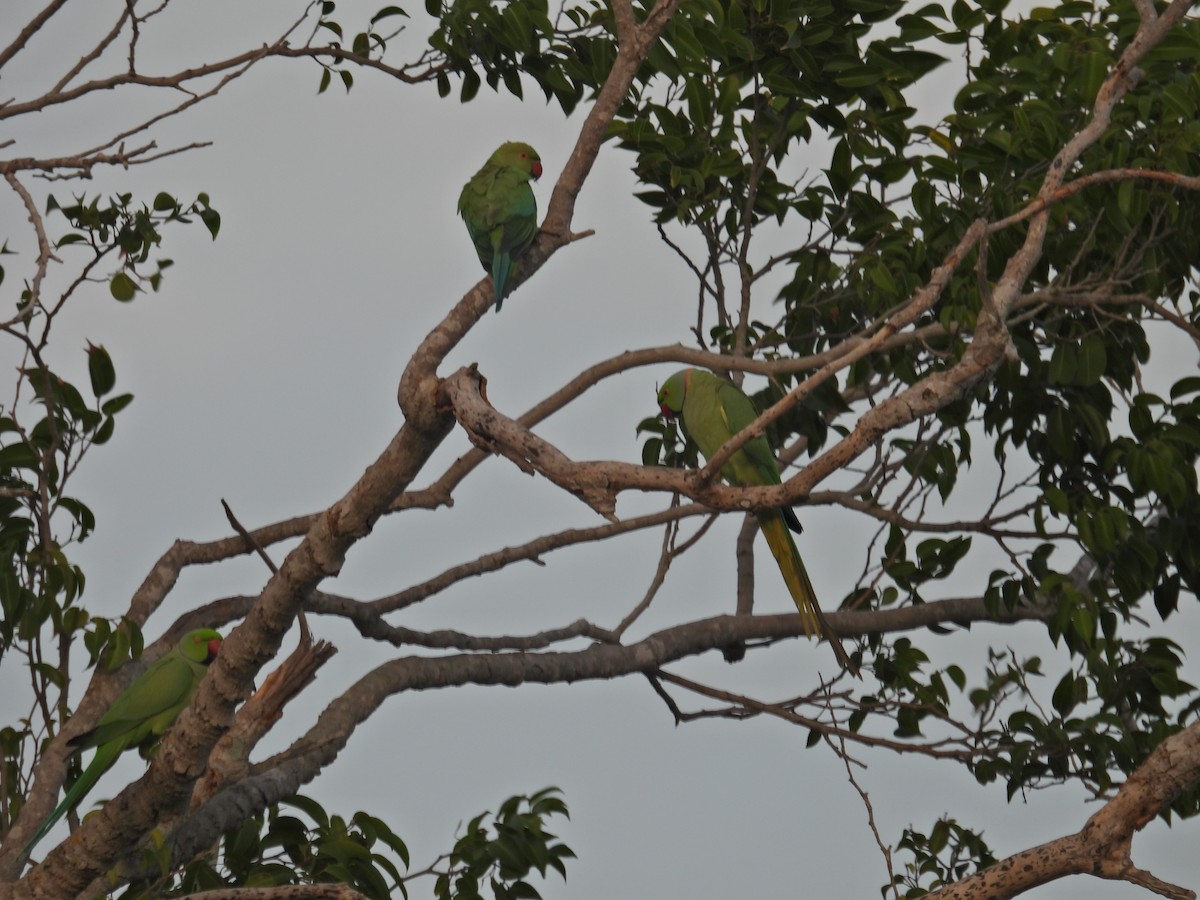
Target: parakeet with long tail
146, 709
500, 210
712, 410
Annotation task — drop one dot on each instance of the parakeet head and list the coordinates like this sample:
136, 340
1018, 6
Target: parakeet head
201, 645
518, 156
670, 395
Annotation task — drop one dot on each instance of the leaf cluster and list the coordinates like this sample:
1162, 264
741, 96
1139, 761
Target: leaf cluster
131, 229
298, 842
496, 853
948, 853
311, 847
45, 432
741, 92
369, 44
38, 584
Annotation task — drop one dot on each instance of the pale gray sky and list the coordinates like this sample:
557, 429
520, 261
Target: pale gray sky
265, 373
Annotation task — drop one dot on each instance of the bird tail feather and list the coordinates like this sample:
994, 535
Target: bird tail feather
101, 763
501, 267
791, 566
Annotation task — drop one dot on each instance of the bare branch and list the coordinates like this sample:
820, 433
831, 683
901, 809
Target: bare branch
531, 551
98, 50
45, 254
665, 555
30, 30
83, 164
281, 776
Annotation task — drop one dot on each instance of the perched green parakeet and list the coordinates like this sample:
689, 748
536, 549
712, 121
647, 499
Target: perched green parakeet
146, 709
712, 411
500, 211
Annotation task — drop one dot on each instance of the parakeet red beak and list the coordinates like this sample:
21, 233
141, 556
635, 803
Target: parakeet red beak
214, 646
666, 411
536, 168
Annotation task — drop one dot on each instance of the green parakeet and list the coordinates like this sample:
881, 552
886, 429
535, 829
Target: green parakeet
146, 709
712, 410
500, 211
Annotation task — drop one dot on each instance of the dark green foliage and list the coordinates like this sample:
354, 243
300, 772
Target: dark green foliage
496, 861
742, 92
493, 858
120, 224
43, 439
40, 585
313, 847
669, 446
948, 853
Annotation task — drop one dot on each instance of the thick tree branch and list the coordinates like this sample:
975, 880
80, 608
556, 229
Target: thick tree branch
283, 775
1103, 847
283, 892
1174, 179
164, 790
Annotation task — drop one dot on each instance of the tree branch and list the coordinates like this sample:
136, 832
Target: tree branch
1102, 848
283, 775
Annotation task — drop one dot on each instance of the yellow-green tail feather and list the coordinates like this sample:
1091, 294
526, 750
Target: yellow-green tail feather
795, 576
101, 762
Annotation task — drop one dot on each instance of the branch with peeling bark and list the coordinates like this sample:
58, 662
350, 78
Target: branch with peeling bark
598, 483
1103, 847
279, 777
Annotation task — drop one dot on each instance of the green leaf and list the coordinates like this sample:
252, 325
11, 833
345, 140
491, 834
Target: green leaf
1091, 360
114, 405
123, 287
470, 86
101, 371
211, 219
19, 456
105, 432
839, 169
387, 12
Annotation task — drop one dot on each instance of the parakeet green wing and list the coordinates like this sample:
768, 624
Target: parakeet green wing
500, 211
145, 710
161, 693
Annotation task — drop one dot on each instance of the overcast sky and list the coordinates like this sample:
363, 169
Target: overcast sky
265, 373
